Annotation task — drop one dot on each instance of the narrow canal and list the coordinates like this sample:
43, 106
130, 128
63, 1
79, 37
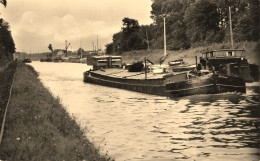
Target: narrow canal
135, 126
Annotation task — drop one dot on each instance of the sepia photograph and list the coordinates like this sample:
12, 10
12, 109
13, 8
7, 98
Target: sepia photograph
129, 80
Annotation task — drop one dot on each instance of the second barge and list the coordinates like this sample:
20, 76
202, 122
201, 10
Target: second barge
108, 71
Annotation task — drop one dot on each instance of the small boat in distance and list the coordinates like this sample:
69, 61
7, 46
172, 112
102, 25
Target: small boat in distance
108, 71
180, 65
27, 60
176, 62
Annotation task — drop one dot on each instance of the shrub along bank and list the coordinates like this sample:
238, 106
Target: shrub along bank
6, 77
39, 128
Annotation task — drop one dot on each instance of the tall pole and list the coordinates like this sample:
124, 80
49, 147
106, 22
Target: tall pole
66, 48
80, 49
147, 41
71, 50
97, 44
196, 62
164, 36
93, 47
231, 33
145, 68
113, 47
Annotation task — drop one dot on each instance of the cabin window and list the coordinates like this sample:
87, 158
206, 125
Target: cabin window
229, 53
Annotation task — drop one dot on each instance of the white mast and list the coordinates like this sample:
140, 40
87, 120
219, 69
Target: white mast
231, 33
164, 32
164, 35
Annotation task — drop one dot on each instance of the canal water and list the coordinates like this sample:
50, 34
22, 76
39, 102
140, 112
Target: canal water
134, 126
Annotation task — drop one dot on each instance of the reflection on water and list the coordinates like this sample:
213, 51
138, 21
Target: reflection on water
135, 126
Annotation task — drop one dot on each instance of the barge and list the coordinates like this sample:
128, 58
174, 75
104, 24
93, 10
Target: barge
230, 62
108, 71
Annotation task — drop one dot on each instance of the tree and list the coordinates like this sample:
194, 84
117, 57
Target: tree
245, 18
175, 26
50, 48
117, 42
3, 2
147, 40
80, 51
130, 25
7, 46
147, 33
131, 38
190, 23
202, 21
109, 48
254, 10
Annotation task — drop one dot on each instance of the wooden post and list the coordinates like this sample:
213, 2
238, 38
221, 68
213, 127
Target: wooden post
164, 36
66, 44
145, 69
109, 61
93, 47
196, 62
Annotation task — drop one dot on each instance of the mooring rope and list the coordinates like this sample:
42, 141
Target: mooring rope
3, 122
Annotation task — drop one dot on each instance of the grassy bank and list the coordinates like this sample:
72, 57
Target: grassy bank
6, 77
39, 128
189, 55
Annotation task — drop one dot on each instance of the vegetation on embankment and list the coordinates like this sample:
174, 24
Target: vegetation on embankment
189, 24
7, 46
6, 77
38, 127
188, 55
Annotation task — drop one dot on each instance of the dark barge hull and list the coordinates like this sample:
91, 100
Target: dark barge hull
144, 86
212, 84
209, 84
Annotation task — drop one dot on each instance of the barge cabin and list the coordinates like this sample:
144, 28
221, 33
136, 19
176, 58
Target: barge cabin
230, 62
100, 62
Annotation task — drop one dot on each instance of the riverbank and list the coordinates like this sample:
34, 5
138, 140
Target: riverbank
38, 127
6, 77
188, 55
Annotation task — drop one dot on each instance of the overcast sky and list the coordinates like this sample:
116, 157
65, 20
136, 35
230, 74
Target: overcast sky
37, 23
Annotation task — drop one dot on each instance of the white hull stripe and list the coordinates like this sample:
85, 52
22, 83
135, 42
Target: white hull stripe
227, 85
